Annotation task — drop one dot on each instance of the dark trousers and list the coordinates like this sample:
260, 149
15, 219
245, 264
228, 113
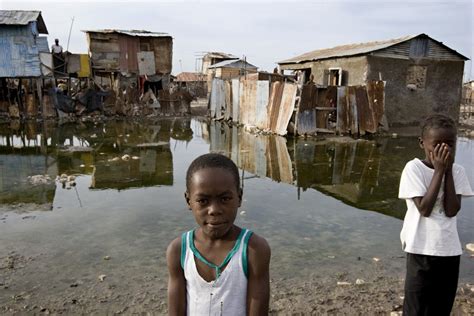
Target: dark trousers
430, 285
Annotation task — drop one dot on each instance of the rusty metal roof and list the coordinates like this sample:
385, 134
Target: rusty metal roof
220, 55
355, 49
140, 33
20, 17
241, 64
190, 76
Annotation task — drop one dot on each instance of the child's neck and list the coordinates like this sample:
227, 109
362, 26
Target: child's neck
427, 163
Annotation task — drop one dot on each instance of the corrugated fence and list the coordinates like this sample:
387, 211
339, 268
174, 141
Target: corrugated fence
270, 106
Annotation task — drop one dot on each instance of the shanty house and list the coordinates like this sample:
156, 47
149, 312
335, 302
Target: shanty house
195, 82
421, 74
229, 69
131, 53
212, 58
20, 43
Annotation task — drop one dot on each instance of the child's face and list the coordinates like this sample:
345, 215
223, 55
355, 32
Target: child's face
214, 199
435, 136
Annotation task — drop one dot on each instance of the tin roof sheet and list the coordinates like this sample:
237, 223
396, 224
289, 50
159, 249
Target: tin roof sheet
233, 64
190, 76
220, 55
20, 17
354, 49
140, 33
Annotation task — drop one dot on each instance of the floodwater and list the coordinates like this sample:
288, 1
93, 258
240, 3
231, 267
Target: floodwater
326, 207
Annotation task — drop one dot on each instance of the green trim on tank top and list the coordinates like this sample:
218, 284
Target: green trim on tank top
229, 256
244, 253
183, 248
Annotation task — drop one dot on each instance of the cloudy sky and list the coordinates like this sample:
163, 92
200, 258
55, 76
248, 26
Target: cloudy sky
264, 31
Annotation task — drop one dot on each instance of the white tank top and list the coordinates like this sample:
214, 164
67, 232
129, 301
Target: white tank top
227, 294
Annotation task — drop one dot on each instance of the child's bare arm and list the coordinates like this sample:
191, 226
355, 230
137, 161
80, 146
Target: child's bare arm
258, 288
176, 281
440, 160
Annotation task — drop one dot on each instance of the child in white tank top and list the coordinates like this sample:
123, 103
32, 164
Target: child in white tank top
217, 268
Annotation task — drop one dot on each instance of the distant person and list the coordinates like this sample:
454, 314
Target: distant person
432, 188
56, 48
59, 63
217, 268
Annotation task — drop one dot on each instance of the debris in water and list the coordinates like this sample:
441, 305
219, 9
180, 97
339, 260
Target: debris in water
376, 259
82, 166
102, 277
343, 283
470, 247
107, 258
243, 212
135, 157
126, 157
39, 179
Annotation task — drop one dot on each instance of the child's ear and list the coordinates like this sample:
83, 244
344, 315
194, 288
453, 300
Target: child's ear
420, 142
186, 197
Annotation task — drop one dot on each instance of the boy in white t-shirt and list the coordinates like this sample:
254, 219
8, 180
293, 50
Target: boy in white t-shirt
432, 189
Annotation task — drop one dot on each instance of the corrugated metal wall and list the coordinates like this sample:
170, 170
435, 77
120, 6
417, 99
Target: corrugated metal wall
19, 52
402, 50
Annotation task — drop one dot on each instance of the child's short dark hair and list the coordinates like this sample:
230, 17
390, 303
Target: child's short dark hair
212, 161
436, 121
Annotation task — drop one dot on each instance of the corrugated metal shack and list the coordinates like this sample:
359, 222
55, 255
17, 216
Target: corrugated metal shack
277, 104
212, 58
20, 65
132, 63
194, 82
421, 74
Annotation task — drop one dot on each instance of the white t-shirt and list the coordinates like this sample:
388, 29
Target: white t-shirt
57, 49
437, 234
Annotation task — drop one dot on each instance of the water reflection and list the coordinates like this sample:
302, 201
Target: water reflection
361, 173
117, 155
122, 154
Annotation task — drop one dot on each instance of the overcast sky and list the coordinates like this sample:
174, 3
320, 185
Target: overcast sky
264, 31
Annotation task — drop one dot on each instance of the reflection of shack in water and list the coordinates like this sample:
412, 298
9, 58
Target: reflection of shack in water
154, 166
361, 173
16, 165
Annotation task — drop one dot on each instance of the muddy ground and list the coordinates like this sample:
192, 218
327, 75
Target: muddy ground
145, 293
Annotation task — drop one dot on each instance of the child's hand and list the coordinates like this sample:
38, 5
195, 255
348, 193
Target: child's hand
441, 157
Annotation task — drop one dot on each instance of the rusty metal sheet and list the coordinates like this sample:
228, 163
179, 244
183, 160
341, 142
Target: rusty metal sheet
365, 114
261, 108
235, 99
248, 100
343, 111
274, 104
286, 108
129, 47
376, 95
146, 63
228, 101
309, 97
352, 104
